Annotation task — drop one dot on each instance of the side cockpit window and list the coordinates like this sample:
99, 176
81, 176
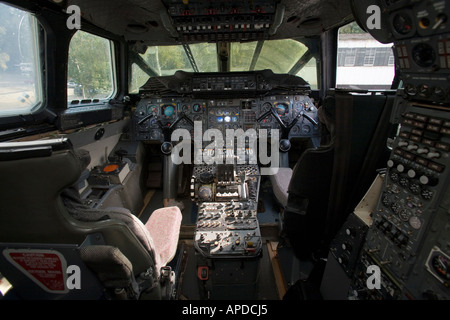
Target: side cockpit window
363, 62
91, 68
20, 64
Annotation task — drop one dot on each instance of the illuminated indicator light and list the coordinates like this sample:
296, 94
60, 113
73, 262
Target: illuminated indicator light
227, 119
110, 168
219, 119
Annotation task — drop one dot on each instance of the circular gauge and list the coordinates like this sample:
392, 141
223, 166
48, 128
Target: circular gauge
152, 109
168, 111
227, 119
153, 122
234, 119
306, 129
295, 129
205, 193
196, 107
282, 109
266, 107
424, 55
220, 119
402, 23
219, 112
186, 108
415, 222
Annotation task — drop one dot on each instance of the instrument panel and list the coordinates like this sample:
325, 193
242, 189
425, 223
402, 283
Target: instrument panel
420, 31
152, 115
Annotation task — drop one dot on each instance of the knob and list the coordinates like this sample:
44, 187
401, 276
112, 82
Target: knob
346, 246
166, 147
410, 90
430, 181
400, 167
424, 91
412, 147
439, 93
411, 173
343, 260
390, 163
350, 231
285, 145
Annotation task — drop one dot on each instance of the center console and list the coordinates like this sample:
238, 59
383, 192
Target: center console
227, 240
246, 113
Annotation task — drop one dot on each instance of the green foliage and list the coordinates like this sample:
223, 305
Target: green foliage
280, 55
241, 55
90, 65
351, 28
205, 55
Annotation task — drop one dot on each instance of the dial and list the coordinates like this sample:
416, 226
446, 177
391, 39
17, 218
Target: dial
205, 193
168, 111
415, 222
152, 109
266, 107
298, 108
282, 109
402, 23
306, 129
197, 107
186, 108
295, 129
424, 55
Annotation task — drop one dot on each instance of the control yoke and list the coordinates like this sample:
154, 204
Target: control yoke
286, 127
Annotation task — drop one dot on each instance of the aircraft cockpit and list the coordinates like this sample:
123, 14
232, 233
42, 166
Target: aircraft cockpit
199, 150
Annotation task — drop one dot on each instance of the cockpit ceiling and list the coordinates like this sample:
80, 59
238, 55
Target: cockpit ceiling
143, 19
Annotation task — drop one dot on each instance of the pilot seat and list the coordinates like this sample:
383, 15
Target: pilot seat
54, 247
303, 192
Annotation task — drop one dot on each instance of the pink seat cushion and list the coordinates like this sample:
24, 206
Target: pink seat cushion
280, 183
164, 228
